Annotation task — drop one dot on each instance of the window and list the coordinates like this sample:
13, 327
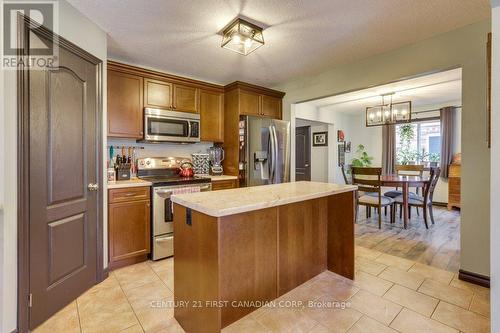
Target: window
418, 143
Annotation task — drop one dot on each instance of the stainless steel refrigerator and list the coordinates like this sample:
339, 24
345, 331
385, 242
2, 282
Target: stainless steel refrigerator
264, 151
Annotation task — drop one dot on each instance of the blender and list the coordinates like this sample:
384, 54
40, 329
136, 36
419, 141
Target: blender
216, 154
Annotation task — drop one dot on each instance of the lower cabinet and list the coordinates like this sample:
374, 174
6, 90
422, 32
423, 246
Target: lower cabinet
128, 226
224, 184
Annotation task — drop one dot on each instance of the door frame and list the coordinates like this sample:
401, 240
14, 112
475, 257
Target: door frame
24, 26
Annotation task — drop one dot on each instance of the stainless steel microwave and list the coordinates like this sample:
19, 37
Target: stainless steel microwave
171, 126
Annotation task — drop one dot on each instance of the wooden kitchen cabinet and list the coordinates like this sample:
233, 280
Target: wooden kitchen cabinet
245, 99
271, 106
128, 226
454, 172
249, 103
131, 89
224, 184
125, 105
212, 116
157, 94
185, 98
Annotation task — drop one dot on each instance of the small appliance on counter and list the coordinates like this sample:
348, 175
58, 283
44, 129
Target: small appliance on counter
201, 164
216, 154
169, 176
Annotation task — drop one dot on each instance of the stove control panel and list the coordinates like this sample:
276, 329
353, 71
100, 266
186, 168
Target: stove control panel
161, 162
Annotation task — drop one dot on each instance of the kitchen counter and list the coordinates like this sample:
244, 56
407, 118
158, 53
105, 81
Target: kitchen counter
133, 182
245, 199
237, 249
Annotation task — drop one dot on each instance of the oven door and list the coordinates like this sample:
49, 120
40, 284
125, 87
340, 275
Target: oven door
163, 214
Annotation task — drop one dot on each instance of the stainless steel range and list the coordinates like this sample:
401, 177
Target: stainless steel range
162, 172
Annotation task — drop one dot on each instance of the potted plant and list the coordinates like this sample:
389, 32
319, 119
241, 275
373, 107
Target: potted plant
406, 155
434, 159
363, 159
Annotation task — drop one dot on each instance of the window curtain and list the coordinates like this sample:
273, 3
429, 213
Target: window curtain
447, 135
388, 149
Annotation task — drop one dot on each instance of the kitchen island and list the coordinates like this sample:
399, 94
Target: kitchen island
237, 249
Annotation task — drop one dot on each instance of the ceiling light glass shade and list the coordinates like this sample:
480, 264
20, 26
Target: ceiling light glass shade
388, 114
242, 37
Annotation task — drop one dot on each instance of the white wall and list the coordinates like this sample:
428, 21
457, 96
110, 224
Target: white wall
78, 29
463, 47
495, 174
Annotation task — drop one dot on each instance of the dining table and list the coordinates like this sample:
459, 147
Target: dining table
405, 182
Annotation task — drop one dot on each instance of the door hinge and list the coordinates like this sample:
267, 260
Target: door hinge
30, 300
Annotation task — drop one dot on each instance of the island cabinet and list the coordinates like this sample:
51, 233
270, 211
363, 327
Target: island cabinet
131, 89
236, 250
128, 225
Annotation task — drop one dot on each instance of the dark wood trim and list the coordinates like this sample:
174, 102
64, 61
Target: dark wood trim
22, 180
25, 24
480, 280
152, 74
254, 88
440, 204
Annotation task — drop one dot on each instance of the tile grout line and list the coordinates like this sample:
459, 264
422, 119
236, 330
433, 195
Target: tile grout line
133, 310
78, 314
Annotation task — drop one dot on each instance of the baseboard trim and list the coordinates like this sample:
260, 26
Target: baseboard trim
481, 280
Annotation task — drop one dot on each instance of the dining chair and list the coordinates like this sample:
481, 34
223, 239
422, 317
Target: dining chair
426, 201
408, 170
344, 169
368, 182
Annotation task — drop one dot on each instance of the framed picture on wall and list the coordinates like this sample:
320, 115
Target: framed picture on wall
341, 152
348, 146
320, 139
340, 136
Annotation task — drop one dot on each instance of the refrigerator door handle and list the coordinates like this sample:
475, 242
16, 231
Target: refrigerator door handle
271, 157
276, 154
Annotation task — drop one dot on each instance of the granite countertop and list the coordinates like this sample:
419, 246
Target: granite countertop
244, 199
133, 182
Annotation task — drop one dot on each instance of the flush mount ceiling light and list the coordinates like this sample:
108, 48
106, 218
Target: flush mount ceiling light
388, 113
242, 37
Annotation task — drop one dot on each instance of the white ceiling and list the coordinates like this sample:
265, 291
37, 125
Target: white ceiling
430, 90
302, 37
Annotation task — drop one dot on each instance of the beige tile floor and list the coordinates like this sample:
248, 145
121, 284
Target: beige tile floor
389, 294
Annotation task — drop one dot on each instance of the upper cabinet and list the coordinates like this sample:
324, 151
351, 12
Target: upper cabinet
157, 94
271, 106
212, 116
125, 105
252, 100
185, 98
131, 89
250, 103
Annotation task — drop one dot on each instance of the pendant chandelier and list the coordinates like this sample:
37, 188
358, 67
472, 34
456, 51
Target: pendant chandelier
388, 113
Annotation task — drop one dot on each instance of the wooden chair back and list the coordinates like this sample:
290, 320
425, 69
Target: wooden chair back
411, 169
367, 179
434, 174
344, 169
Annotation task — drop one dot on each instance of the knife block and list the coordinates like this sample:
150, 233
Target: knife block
123, 171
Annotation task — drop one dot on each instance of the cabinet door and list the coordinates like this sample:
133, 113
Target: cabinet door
185, 98
125, 105
224, 184
157, 94
249, 103
212, 116
129, 234
271, 107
